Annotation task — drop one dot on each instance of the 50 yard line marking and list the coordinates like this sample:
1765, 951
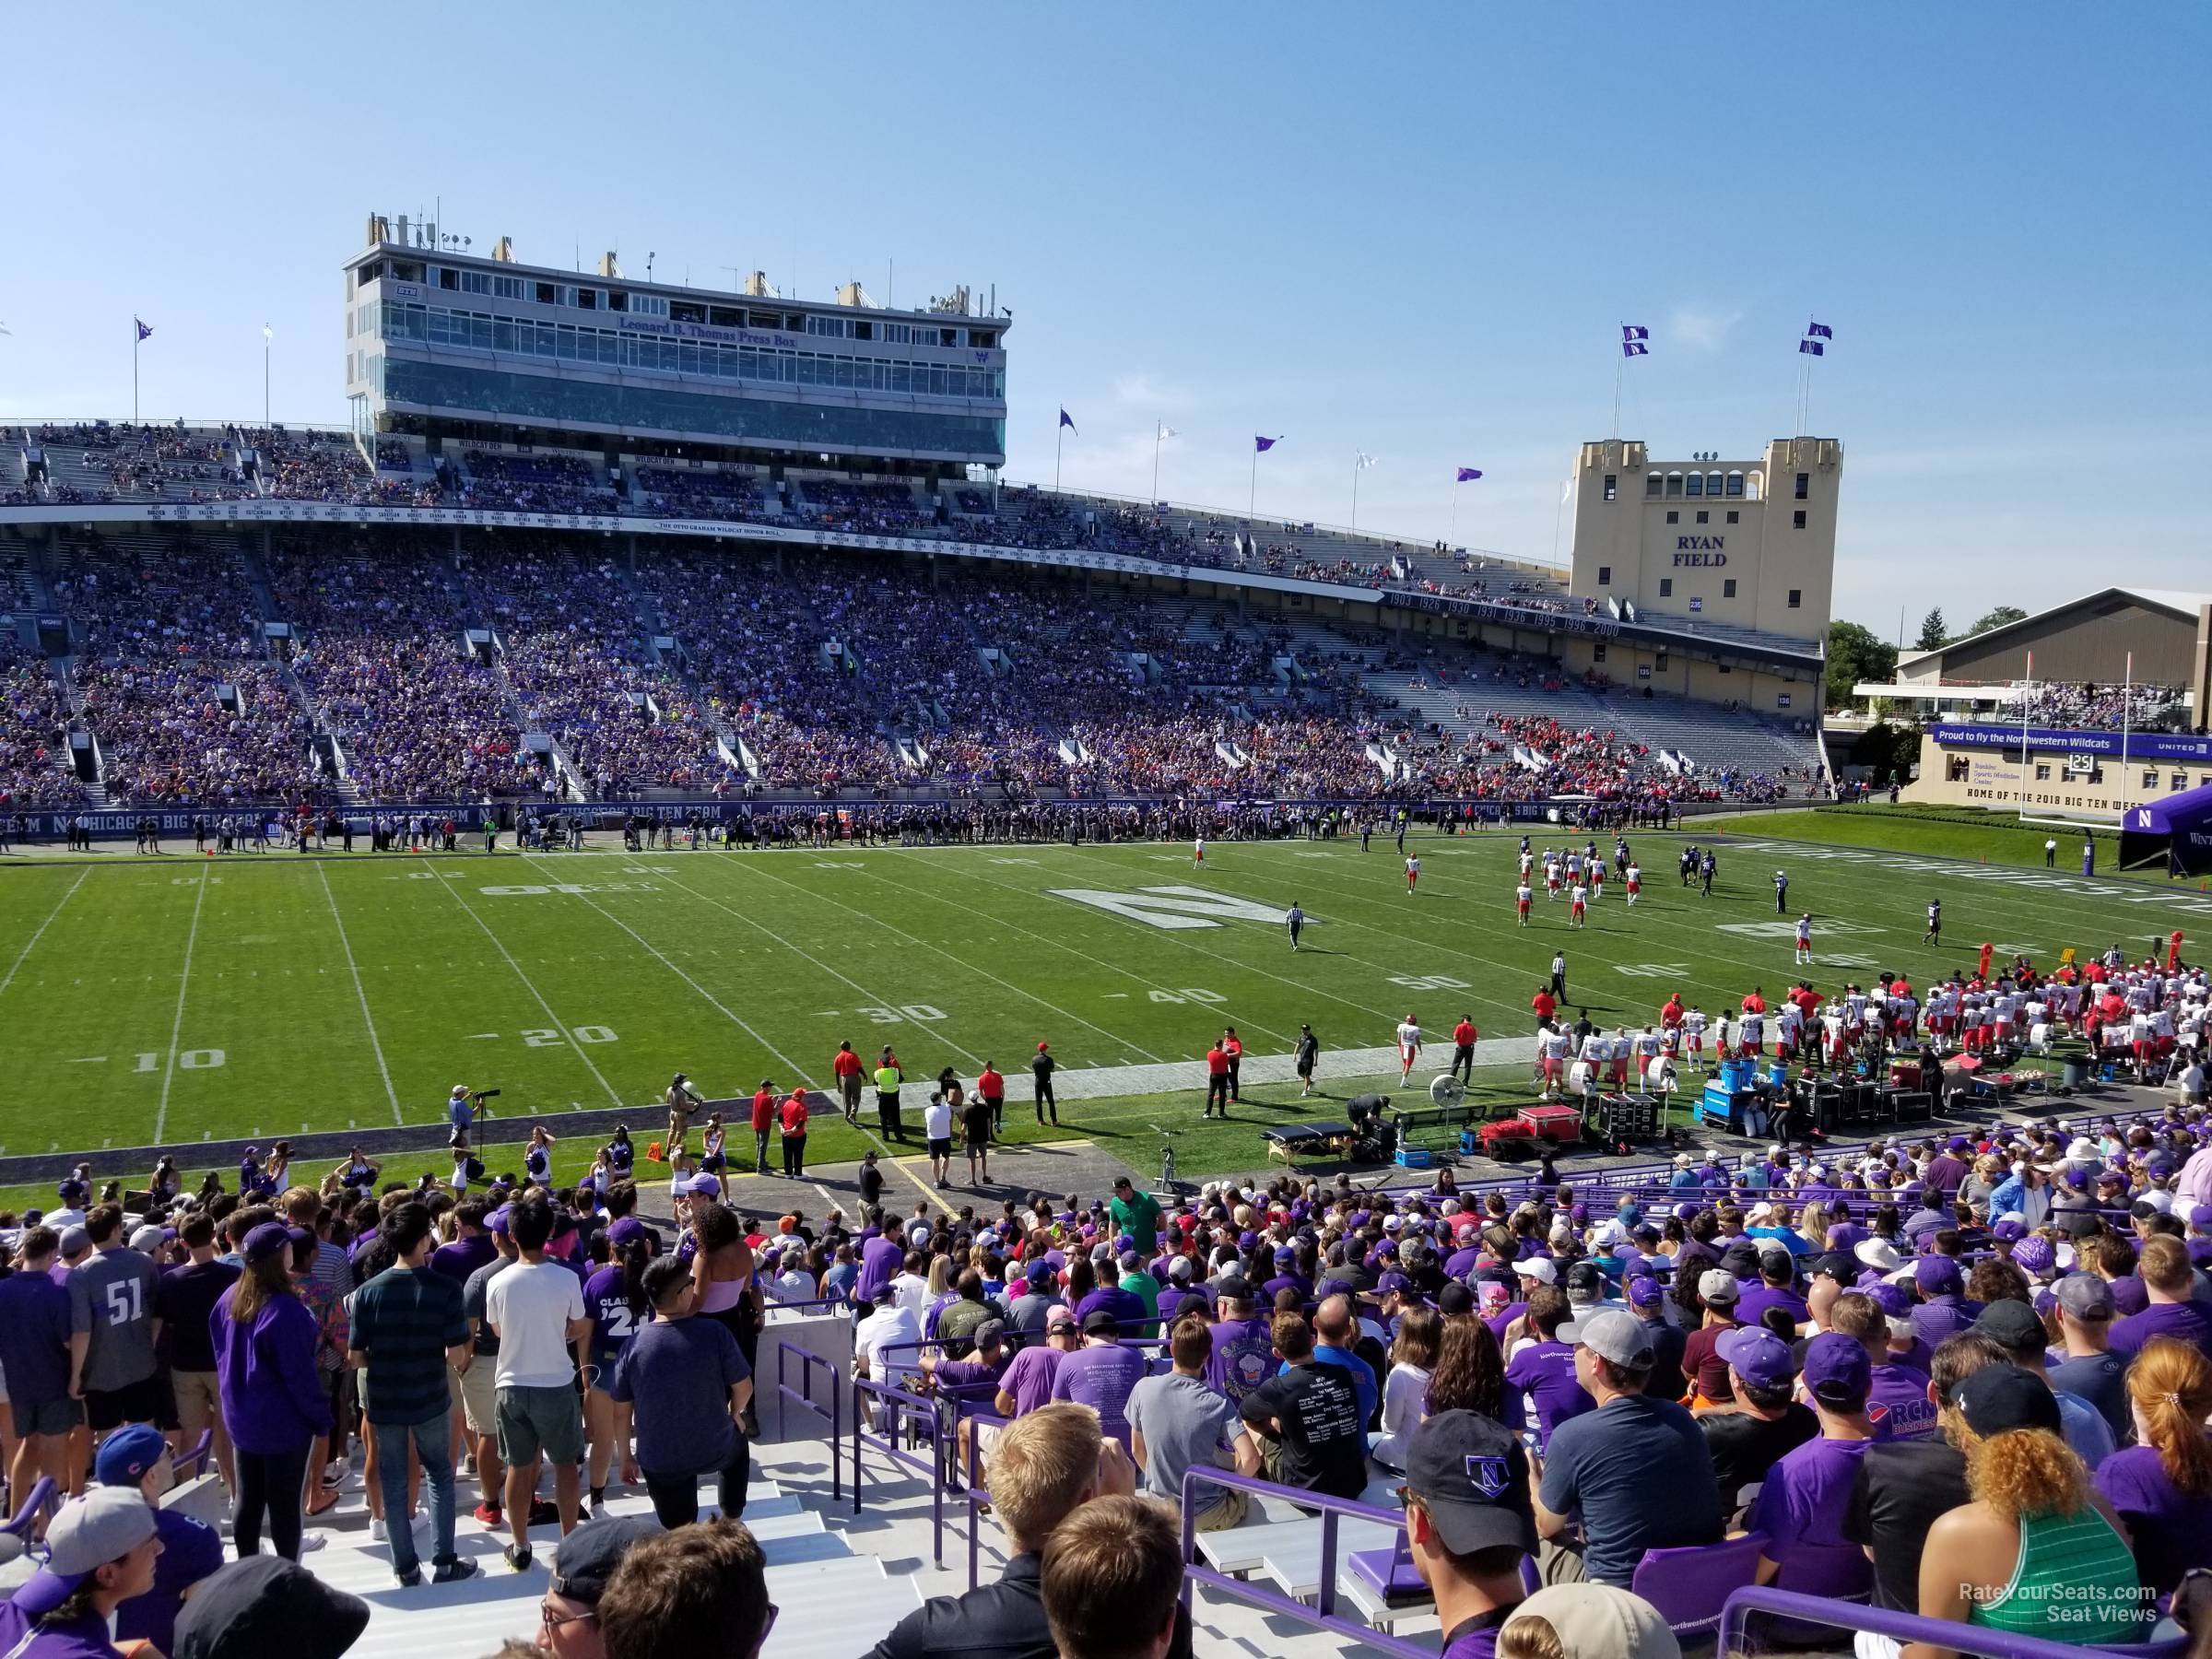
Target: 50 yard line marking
353, 968
35, 938
176, 1025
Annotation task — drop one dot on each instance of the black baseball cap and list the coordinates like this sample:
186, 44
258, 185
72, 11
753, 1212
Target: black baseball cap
1455, 1298
2013, 1326
1100, 1321
1471, 1475
1998, 1398
587, 1558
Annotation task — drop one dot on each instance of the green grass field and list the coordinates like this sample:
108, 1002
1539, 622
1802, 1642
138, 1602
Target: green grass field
178, 999
1950, 831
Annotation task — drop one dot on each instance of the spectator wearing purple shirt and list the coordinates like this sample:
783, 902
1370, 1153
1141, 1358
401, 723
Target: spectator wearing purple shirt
1100, 1373
2163, 1488
1897, 1392
881, 1259
2169, 1281
471, 1249
1542, 1371
1803, 1501
1027, 1382
1776, 1276
34, 1354
1942, 1311
1244, 1348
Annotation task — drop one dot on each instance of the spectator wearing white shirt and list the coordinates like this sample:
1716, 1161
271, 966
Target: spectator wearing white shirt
883, 1350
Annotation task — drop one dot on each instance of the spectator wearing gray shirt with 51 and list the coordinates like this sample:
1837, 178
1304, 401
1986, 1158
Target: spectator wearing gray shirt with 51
112, 1327
1177, 1424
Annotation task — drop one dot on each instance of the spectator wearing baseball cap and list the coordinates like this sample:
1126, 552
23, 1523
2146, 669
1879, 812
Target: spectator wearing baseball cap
1590, 1622
1303, 1427
1941, 1310
1100, 1373
2091, 1369
2035, 1537
586, 1559
265, 1605
101, 1549
1802, 1502
1763, 1421
274, 1401
1647, 1299
1635, 1470
1718, 1293
1468, 1523
1244, 1345
2013, 1326
1902, 1487
136, 1458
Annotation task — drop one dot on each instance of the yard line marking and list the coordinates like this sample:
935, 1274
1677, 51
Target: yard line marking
497, 944
938, 950
716, 1003
375, 1047
176, 1025
787, 945
35, 938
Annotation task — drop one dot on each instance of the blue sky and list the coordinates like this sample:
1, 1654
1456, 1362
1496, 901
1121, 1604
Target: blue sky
1413, 230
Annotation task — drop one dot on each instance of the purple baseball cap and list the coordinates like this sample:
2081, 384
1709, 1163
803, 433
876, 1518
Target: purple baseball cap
1758, 1356
2008, 1232
1838, 1370
1938, 1276
1644, 1292
1891, 1298
2034, 1254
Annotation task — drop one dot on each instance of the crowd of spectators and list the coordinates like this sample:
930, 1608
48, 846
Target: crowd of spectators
535, 482
35, 767
570, 647
161, 632
2094, 707
382, 651
682, 492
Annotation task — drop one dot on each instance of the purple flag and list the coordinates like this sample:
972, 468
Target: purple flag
1467, 475
1630, 350
1263, 444
1811, 348
1634, 331
1067, 422
143, 330
1818, 331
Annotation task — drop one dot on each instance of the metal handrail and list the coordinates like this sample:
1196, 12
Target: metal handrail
1323, 1615
1902, 1627
922, 1406
808, 1359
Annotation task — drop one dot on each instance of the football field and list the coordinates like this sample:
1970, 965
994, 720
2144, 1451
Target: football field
175, 999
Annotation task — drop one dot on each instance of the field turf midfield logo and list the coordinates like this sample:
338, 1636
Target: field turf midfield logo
1173, 907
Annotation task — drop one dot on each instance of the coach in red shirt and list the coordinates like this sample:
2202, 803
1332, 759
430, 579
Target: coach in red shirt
764, 1123
847, 1067
1544, 1004
1464, 1037
1217, 1081
992, 1088
794, 1134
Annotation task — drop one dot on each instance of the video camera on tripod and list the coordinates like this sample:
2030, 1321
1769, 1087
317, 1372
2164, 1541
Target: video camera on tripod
477, 1096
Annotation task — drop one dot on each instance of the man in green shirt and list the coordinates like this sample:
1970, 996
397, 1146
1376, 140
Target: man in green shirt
887, 1078
1136, 1213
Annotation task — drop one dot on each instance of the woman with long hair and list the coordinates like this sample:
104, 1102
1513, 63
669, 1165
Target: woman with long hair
1413, 1357
1469, 1373
615, 1300
725, 1278
2034, 1540
2162, 1487
538, 1157
274, 1404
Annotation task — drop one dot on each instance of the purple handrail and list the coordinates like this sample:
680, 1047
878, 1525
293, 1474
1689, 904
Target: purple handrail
863, 1389
808, 1359
1902, 1627
1321, 1616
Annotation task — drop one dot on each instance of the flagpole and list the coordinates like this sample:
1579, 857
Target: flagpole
1616, 366
1355, 524
2128, 685
133, 371
1156, 443
1252, 501
2026, 698
1058, 438
265, 375
1453, 534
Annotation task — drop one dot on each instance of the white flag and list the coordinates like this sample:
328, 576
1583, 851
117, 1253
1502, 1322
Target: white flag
1566, 490
1362, 460
1167, 431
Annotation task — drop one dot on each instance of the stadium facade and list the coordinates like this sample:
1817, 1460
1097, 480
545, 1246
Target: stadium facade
502, 412
446, 344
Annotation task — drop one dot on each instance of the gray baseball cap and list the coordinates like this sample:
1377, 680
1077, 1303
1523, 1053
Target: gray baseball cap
2086, 1295
1612, 1333
104, 1524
